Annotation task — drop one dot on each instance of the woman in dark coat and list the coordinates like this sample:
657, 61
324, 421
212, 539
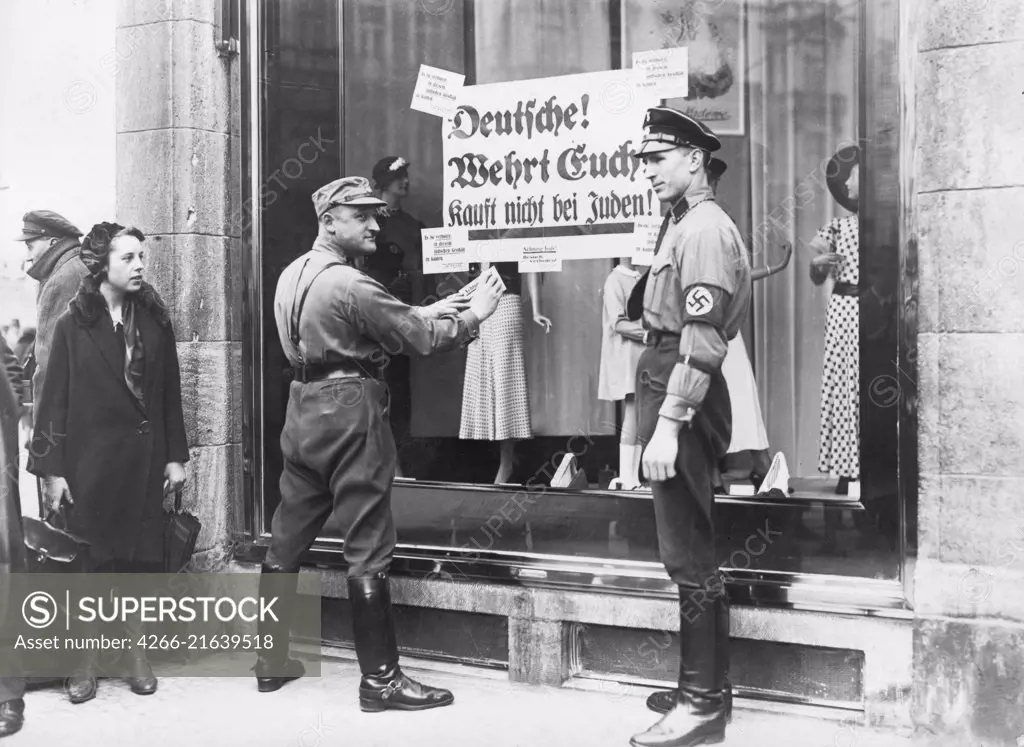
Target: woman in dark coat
110, 434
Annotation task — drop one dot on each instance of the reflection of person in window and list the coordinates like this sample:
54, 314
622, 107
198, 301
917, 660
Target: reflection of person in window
495, 400
621, 346
837, 249
397, 265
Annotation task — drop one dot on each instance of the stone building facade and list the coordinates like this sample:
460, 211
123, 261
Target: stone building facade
968, 184
179, 151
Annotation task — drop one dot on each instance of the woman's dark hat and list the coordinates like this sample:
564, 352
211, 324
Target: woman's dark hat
837, 173
716, 167
388, 169
96, 246
666, 128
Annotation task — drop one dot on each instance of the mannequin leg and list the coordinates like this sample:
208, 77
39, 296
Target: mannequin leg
505, 465
629, 457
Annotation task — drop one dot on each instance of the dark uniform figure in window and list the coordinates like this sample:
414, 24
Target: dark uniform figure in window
337, 327
696, 297
398, 266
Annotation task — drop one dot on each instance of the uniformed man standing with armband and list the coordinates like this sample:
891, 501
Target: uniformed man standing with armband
697, 294
339, 454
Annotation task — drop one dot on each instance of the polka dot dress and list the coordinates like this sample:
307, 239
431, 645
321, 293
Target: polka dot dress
839, 444
495, 402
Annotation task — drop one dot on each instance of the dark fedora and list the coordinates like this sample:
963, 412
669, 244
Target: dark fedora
837, 174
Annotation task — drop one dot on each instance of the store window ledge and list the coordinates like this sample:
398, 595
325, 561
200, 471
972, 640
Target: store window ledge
461, 569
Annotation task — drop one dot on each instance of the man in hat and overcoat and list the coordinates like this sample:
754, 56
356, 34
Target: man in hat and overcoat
337, 326
697, 296
53, 261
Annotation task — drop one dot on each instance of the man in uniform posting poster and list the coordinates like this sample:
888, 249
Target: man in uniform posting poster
697, 295
339, 453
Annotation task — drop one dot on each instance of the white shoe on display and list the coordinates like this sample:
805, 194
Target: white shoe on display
777, 477
569, 475
621, 483
563, 475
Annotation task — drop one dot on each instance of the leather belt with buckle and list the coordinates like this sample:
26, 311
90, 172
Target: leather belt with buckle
655, 336
311, 373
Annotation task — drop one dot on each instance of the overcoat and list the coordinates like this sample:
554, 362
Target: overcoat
12, 542
59, 272
91, 430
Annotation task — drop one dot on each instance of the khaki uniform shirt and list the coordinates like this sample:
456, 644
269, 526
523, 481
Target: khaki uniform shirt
348, 316
699, 288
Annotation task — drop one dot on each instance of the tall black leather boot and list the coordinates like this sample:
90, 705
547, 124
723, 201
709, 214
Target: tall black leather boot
274, 668
699, 715
383, 684
663, 701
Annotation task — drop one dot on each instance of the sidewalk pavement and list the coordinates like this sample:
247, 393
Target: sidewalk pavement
489, 711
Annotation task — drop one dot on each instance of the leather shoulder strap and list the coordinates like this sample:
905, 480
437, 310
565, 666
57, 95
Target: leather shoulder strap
297, 310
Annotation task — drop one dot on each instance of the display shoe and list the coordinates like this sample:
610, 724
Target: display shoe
81, 687
274, 668
777, 477
699, 713
383, 685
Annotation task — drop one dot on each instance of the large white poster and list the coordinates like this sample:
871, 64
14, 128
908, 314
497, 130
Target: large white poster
548, 167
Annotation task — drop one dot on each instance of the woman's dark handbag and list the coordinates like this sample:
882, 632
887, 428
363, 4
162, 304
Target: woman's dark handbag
181, 530
51, 548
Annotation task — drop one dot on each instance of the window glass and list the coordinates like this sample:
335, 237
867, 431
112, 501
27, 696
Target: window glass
521, 442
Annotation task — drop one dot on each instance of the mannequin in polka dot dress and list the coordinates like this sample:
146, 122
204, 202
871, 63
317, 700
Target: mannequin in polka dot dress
837, 255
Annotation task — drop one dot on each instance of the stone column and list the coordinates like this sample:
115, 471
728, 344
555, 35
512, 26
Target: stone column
969, 191
177, 144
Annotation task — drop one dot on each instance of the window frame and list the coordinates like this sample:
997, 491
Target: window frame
886, 127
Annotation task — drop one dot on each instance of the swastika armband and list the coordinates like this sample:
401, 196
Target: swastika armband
706, 304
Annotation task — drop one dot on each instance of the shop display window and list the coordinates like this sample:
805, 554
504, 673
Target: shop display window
815, 426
